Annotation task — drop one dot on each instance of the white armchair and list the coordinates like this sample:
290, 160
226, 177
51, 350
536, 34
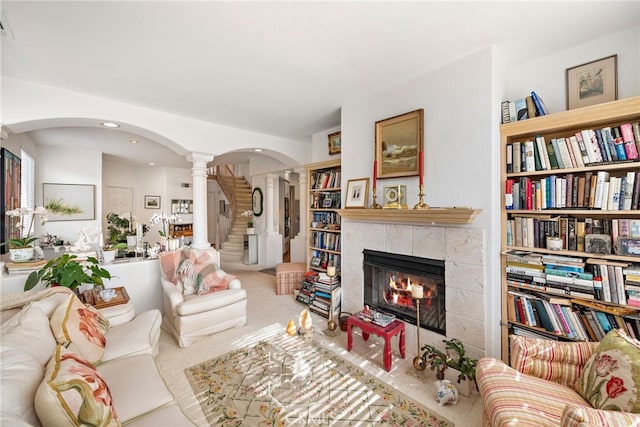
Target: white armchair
191, 317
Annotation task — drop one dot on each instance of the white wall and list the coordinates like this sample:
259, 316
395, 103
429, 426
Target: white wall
58, 165
546, 76
458, 137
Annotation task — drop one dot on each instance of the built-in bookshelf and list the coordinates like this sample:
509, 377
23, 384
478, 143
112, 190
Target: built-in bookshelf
324, 233
570, 222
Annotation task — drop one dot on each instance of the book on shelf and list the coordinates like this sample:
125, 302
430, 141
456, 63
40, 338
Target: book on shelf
522, 113
541, 108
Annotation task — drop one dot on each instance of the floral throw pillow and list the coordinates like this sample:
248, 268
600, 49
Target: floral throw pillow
610, 379
73, 393
79, 328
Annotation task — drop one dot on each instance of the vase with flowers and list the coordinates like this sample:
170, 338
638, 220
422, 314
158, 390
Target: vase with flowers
21, 248
249, 215
166, 233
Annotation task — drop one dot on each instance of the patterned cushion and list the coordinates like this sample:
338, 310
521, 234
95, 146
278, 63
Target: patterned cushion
73, 393
611, 377
80, 329
576, 416
511, 398
194, 271
560, 362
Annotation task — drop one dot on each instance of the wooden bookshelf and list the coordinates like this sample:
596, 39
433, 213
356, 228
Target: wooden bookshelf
562, 125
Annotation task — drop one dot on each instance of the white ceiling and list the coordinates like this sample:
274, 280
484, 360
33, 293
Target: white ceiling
279, 68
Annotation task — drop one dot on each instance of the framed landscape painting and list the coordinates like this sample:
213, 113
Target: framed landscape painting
69, 202
399, 140
335, 143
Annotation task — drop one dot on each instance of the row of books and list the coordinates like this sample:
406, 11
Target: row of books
569, 318
24, 267
620, 236
523, 108
325, 240
326, 201
325, 179
597, 279
590, 190
323, 219
610, 144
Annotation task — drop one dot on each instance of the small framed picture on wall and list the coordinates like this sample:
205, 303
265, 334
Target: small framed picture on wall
152, 202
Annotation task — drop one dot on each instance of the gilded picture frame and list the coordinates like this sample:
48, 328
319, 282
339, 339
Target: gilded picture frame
399, 140
335, 143
357, 193
592, 83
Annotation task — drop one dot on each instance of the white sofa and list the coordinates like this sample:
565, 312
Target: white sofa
34, 390
190, 316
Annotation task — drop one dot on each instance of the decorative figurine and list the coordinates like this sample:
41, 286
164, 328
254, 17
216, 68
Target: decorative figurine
447, 392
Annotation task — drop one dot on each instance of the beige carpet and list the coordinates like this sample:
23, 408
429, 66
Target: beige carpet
293, 381
268, 315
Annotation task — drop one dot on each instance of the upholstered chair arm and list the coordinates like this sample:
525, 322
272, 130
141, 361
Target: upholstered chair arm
172, 294
194, 304
556, 361
582, 416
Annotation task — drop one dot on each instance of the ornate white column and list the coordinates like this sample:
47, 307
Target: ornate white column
298, 245
270, 204
199, 181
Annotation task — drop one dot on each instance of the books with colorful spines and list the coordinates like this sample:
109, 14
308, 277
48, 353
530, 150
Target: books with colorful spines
629, 141
553, 160
531, 107
540, 107
618, 142
524, 257
521, 109
504, 110
562, 260
545, 319
607, 138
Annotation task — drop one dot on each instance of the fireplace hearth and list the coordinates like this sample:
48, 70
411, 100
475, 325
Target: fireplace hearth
388, 279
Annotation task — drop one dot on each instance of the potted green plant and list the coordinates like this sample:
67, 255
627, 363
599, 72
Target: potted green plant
452, 360
68, 271
110, 250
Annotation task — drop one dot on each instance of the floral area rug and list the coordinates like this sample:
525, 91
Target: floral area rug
290, 381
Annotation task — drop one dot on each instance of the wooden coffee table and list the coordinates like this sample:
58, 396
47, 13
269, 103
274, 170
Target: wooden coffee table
387, 332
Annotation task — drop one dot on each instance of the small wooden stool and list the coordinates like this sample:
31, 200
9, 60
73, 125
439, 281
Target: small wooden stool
387, 332
289, 276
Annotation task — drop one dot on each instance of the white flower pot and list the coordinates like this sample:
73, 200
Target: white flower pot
464, 387
21, 254
109, 256
251, 230
132, 241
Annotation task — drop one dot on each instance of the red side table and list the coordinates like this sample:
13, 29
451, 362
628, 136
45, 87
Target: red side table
387, 332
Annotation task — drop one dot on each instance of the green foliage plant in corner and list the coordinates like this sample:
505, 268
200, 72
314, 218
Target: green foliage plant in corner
454, 357
68, 271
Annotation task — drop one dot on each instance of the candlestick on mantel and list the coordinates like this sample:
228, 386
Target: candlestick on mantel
421, 167
418, 362
375, 204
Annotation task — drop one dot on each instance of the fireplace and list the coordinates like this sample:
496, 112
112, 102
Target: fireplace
388, 279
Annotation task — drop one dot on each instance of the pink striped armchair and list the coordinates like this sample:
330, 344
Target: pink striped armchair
538, 389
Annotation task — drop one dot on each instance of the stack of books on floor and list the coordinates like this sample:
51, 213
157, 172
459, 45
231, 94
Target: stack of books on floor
306, 293
24, 267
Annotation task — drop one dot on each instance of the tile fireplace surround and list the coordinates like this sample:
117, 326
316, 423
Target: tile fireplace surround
463, 251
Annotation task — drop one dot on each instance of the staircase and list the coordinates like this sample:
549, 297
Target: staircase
238, 192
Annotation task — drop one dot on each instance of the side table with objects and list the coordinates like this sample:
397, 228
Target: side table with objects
117, 309
391, 328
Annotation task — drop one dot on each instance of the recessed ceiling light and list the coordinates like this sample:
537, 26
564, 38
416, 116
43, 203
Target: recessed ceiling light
258, 150
110, 125
134, 141
151, 164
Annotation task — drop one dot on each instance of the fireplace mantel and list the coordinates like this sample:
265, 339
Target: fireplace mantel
447, 215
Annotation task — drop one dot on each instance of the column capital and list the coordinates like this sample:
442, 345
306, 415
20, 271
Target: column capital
200, 157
